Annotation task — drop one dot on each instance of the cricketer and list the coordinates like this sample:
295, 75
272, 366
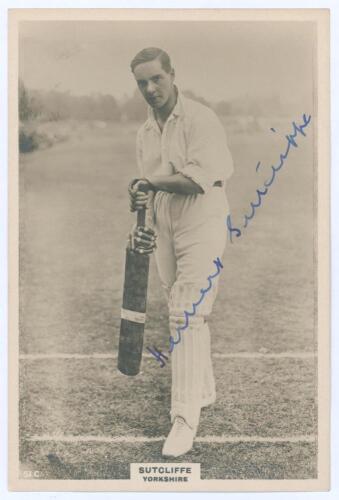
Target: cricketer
184, 163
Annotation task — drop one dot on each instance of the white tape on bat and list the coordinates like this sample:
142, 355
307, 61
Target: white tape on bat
137, 317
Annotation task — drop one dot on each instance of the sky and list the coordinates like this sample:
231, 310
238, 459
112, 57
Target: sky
217, 60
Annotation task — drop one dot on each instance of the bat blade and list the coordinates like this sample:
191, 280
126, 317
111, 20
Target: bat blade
133, 313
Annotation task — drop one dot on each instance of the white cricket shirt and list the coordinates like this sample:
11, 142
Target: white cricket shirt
193, 142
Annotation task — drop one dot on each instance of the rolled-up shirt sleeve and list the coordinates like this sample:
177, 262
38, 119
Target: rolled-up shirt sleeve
208, 157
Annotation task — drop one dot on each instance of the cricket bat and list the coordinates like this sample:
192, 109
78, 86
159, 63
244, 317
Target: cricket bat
133, 312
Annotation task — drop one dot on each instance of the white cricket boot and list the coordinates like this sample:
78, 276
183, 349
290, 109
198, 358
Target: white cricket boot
180, 439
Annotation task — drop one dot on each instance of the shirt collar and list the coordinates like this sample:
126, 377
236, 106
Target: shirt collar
178, 110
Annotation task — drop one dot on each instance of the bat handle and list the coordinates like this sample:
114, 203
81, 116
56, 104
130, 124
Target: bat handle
141, 217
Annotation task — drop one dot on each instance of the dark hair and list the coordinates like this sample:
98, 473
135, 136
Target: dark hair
151, 53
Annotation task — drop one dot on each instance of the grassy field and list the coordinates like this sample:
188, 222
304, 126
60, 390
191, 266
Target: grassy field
78, 415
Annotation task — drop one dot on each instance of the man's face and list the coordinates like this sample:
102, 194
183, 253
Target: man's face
154, 83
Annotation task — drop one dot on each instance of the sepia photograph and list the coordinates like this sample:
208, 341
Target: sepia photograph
169, 304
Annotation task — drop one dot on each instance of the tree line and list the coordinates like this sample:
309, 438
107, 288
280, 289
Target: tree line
55, 105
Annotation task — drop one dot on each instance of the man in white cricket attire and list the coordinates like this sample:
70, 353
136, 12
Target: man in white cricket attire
184, 162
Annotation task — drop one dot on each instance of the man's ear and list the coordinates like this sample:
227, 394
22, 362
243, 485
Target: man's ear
172, 73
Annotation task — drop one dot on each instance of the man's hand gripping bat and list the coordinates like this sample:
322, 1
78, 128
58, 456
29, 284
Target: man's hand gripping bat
141, 244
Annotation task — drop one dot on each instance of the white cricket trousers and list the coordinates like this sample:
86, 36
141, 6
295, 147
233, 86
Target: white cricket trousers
191, 233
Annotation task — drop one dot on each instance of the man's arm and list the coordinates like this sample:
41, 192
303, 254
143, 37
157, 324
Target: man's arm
176, 183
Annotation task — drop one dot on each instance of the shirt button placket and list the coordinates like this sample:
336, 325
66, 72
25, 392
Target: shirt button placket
164, 158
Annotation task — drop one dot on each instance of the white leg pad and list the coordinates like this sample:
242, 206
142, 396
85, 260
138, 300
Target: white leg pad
208, 383
191, 363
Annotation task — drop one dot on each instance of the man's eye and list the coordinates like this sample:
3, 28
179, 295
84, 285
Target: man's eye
156, 78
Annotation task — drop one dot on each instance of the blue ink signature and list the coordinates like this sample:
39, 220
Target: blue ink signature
297, 129
159, 355
188, 314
